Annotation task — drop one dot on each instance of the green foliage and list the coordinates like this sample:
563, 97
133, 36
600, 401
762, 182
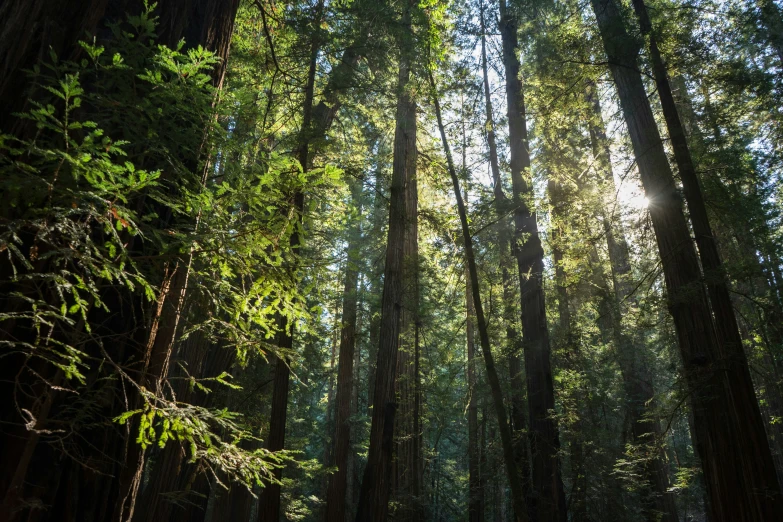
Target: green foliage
125, 168
212, 437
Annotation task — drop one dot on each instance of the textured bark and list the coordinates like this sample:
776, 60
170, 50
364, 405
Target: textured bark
335, 496
514, 478
352, 478
727, 329
738, 469
407, 460
636, 381
30, 29
269, 500
376, 483
171, 472
548, 495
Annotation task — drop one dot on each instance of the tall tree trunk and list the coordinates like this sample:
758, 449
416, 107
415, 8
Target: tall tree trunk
548, 495
507, 249
376, 484
738, 468
514, 478
734, 360
338, 482
171, 472
353, 457
407, 461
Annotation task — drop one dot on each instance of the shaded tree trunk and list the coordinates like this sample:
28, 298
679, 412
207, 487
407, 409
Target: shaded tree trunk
407, 461
507, 249
475, 485
269, 502
738, 469
514, 478
376, 483
338, 481
548, 495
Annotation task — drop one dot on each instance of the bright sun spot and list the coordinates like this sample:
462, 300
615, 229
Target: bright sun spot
631, 196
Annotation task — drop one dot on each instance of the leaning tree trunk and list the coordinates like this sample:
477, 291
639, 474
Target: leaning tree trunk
736, 367
514, 478
738, 469
548, 495
475, 485
376, 483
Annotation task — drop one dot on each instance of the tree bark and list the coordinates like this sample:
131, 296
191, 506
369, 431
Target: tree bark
376, 484
738, 469
24, 44
338, 482
507, 248
407, 462
514, 479
475, 486
548, 495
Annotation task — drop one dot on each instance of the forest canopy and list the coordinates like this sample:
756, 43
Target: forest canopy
469, 260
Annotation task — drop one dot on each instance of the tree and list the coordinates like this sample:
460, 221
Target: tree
376, 484
335, 498
548, 495
514, 477
720, 434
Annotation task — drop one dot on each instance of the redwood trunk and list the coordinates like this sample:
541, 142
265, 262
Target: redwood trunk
338, 482
475, 486
548, 495
407, 461
738, 469
376, 483
506, 249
